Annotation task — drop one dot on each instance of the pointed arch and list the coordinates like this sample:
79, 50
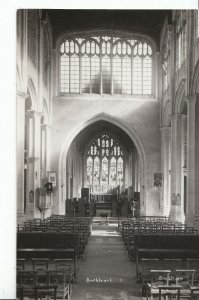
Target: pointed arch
195, 81
45, 111
180, 97
66, 144
33, 94
18, 80
166, 117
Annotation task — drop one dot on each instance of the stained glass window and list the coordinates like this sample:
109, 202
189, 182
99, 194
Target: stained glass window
105, 65
105, 165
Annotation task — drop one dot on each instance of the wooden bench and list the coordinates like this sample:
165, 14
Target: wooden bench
163, 253
166, 246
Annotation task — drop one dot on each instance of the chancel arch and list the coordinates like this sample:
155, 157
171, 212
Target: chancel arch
109, 163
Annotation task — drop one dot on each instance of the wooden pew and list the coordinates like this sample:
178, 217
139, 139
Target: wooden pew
166, 246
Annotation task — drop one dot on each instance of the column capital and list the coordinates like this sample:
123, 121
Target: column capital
170, 27
32, 159
45, 126
191, 98
22, 95
165, 128
176, 116
33, 113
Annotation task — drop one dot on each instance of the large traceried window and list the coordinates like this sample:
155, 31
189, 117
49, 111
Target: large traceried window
105, 65
105, 165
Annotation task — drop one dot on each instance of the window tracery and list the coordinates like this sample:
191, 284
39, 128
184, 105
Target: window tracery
105, 65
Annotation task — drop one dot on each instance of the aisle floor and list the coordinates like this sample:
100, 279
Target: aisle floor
106, 273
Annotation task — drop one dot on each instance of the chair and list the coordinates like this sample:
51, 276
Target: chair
66, 265
158, 278
40, 264
194, 264
169, 292
147, 264
26, 281
21, 263
44, 288
195, 293
185, 278
59, 278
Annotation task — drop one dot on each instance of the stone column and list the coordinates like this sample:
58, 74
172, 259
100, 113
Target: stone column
45, 162
20, 154
33, 162
43, 154
45, 150
165, 140
184, 163
41, 58
48, 146
196, 221
192, 217
176, 211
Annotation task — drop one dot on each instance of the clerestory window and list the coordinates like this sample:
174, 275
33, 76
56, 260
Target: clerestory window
105, 65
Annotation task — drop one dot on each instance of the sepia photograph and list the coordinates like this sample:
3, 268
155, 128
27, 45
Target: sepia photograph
107, 154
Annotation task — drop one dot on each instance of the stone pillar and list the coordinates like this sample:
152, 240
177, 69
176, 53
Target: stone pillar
165, 141
45, 161
33, 162
20, 155
192, 216
43, 154
45, 151
48, 146
196, 219
184, 163
176, 212
41, 57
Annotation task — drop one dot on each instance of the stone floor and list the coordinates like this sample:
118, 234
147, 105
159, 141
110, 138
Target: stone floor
106, 272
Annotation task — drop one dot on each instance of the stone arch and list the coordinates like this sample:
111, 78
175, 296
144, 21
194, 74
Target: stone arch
180, 97
18, 80
135, 35
195, 80
33, 94
45, 111
66, 144
166, 117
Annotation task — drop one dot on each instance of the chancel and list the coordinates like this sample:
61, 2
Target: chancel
107, 154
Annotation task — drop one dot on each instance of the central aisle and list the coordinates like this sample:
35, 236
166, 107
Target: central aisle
106, 272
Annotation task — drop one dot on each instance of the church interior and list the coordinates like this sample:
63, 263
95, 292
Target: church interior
107, 154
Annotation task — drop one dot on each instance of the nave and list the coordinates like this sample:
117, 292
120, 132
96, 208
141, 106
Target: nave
107, 259
106, 272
